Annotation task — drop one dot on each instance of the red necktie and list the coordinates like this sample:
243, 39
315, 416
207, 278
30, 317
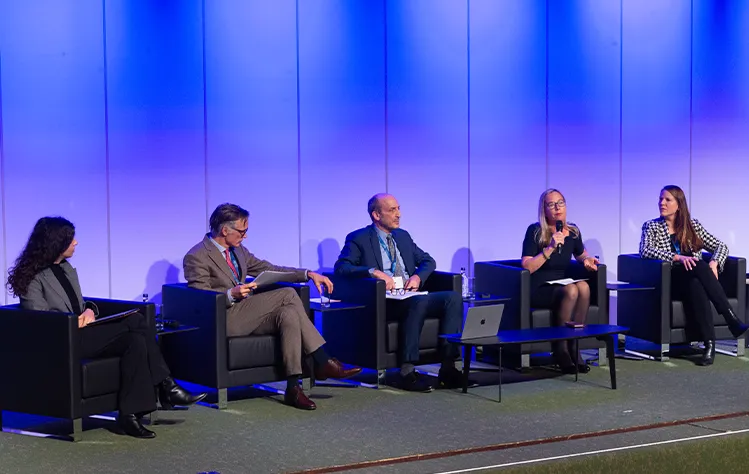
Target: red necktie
231, 265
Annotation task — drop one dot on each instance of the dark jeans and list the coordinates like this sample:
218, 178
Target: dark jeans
412, 312
141, 363
697, 288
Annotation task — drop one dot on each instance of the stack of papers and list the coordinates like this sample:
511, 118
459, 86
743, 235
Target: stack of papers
408, 294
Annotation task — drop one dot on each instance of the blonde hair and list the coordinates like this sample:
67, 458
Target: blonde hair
543, 234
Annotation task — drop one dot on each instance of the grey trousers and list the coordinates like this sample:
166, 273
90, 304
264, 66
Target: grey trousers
277, 312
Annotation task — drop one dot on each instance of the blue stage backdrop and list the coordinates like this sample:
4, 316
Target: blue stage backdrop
134, 119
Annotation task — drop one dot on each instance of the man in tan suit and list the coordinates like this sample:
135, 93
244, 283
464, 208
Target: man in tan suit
221, 263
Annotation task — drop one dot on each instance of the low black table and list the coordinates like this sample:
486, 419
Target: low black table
527, 336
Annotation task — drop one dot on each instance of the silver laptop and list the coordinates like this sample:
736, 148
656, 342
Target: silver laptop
482, 321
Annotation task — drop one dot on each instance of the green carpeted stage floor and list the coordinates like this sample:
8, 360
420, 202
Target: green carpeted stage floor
554, 415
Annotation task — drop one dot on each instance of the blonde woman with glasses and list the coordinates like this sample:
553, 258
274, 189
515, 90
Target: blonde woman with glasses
548, 248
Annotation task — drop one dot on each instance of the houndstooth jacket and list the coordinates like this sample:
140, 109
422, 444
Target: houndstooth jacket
655, 242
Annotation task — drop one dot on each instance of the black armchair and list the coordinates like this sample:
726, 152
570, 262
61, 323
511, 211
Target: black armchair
657, 316
367, 337
509, 278
40, 354
208, 357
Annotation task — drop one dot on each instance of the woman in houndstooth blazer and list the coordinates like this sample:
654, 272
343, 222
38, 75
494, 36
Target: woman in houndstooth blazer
677, 238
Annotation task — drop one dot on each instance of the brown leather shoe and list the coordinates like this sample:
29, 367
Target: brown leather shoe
335, 370
297, 399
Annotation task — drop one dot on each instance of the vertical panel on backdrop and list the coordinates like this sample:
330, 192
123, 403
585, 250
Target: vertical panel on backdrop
156, 141
720, 120
508, 123
584, 119
54, 148
251, 120
427, 124
655, 108
342, 121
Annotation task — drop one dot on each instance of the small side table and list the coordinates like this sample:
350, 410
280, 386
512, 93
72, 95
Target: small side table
627, 286
483, 299
334, 306
164, 331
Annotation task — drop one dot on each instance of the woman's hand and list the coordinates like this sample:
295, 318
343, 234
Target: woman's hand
688, 262
591, 263
557, 238
86, 318
714, 267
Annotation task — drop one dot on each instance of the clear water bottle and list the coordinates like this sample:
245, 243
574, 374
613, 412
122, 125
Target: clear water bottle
464, 283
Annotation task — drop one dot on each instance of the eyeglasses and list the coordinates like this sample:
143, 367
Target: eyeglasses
398, 291
241, 232
559, 204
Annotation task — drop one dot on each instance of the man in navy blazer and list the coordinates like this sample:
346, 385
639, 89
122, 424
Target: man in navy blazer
384, 251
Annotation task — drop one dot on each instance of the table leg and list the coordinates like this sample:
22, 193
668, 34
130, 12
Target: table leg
610, 345
499, 371
467, 355
577, 357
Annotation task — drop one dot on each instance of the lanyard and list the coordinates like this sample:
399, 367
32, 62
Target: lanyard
393, 258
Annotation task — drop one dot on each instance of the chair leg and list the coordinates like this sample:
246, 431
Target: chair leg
223, 398
77, 429
740, 347
525, 361
307, 384
603, 360
664, 348
380, 378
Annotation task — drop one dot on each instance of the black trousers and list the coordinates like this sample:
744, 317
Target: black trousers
412, 312
697, 288
141, 363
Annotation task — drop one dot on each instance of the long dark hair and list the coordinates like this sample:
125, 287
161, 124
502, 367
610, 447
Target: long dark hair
683, 228
50, 238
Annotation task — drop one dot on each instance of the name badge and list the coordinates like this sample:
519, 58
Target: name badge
398, 282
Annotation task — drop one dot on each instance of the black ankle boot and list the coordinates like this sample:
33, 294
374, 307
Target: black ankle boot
131, 426
171, 395
736, 327
708, 355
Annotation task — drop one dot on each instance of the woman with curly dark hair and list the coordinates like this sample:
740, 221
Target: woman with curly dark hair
44, 281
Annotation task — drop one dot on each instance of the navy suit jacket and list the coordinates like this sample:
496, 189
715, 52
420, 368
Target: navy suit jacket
362, 252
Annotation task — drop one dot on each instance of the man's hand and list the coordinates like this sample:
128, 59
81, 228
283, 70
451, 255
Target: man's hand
714, 267
86, 318
380, 275
240, 292
413, 283
319, 280
591, 264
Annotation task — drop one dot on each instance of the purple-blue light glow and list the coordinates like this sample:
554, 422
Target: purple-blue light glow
299, 111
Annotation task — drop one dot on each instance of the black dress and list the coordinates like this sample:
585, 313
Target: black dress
542, 294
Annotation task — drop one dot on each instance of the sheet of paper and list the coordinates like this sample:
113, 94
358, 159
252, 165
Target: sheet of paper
269, 277
564, 281
317, 300
408, 294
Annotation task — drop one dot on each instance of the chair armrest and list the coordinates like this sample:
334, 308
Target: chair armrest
443, 281
108, 307
733, 281
197, 356
39, 356
506, 279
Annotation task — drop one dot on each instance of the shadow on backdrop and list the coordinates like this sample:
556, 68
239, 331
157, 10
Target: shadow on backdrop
160, 273
463, 258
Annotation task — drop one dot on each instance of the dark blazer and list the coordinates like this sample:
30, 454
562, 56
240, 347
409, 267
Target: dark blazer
362, 252
655, 242
45, 292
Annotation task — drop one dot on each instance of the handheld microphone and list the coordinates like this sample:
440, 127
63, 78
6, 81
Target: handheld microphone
560, 226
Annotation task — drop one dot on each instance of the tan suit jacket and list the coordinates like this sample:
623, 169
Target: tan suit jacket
206, 269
